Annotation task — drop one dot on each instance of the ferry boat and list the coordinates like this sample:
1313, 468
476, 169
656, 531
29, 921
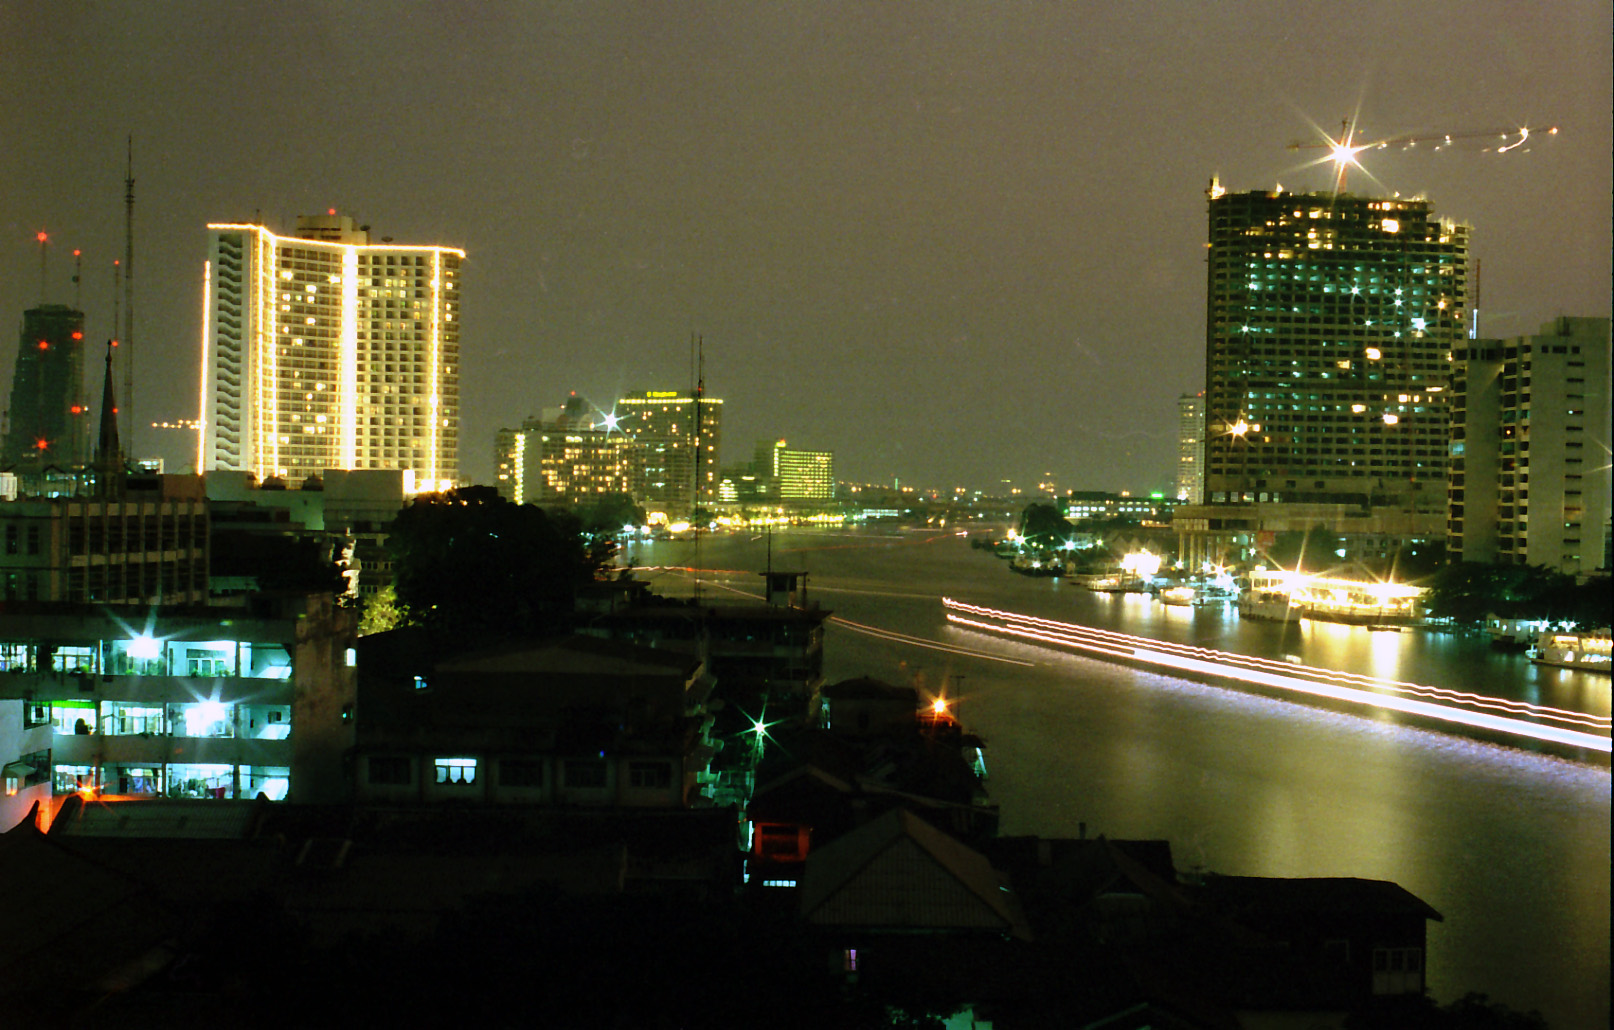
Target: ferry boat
1268, 604
1513, 634
1590, 652
1109, 582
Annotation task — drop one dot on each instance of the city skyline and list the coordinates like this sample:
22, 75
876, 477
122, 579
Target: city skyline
941, 242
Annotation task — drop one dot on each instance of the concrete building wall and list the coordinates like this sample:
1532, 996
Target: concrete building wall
1530, 442
147, 545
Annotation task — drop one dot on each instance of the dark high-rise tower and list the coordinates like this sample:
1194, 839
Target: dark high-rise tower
1330, 322
46, 419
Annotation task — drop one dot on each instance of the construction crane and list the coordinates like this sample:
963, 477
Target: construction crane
1343, 151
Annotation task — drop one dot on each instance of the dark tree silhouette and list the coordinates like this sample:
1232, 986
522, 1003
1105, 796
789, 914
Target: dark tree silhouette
1042, 525
469, 561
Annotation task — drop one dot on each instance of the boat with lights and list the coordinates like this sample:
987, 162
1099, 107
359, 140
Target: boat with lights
1513, 634
1264, 603
1183, 595
1589, 652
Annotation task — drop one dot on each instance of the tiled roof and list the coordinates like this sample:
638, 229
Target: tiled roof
899, 872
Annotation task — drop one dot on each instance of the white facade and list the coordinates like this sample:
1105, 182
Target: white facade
1191, 447
1529, 451
322, 351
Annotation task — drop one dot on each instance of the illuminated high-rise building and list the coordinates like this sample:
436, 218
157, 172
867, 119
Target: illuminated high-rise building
1330, 323
569, 454
321, 350
1190, 447
46, 422
1529, 478
796, 475
677, 438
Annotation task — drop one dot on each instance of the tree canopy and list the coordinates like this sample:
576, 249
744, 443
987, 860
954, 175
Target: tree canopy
470, 561
1310, 550
608, 513
1043, 525
1470, 591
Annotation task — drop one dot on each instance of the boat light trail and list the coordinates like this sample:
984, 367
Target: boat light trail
913, 641
1552, 725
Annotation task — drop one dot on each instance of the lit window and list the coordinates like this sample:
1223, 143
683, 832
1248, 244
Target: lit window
461, 771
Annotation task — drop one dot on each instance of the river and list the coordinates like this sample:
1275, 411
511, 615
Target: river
1511, 846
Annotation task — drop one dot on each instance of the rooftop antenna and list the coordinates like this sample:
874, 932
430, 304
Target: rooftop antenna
128, 291
78, 280
44, 243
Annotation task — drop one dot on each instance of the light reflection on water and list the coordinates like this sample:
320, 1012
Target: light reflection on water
1511, 847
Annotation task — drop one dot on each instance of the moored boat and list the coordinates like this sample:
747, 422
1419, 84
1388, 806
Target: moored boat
1513, 634
1591, 651
1268, 604
1184, 595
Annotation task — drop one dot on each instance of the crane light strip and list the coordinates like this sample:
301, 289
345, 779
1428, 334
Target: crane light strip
348, 387
1300, 678
266, 409
434, 470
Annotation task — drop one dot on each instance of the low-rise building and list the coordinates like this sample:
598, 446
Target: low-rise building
193, 702
345, 513
145, 543
579, 722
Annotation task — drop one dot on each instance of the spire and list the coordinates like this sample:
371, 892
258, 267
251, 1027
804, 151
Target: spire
108, 450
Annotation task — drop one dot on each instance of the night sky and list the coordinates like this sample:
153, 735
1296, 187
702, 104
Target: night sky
953, 243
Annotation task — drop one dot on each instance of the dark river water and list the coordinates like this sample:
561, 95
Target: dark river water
1510, 846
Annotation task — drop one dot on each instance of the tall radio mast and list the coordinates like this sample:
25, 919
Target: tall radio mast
128, 296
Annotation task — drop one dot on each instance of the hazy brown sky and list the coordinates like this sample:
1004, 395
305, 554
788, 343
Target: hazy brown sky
951, 242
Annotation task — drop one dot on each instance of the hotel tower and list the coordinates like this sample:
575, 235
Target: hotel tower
1331, 322
323, 351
